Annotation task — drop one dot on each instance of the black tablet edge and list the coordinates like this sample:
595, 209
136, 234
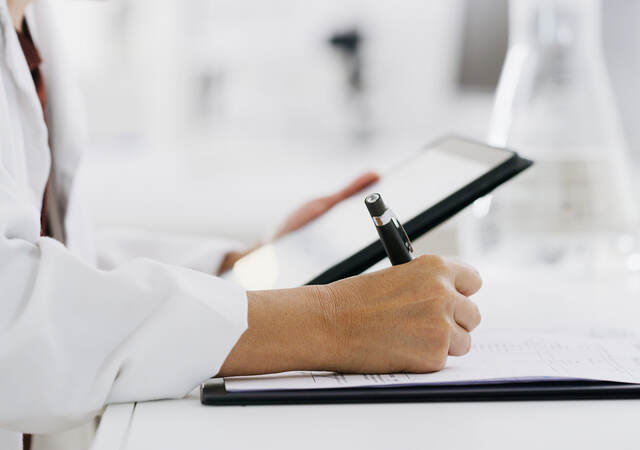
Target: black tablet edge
215, 393
428, 219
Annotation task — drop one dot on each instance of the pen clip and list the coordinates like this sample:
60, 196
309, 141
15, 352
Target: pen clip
403, 234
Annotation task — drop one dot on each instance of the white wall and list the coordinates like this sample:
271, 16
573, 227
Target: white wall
194, 99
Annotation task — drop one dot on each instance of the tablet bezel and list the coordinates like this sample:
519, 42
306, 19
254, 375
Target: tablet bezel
502, 165
438, 213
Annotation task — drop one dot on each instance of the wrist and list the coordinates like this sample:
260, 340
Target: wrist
289, 329
325, 345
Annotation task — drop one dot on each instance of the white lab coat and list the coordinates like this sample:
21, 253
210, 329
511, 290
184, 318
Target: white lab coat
74, 337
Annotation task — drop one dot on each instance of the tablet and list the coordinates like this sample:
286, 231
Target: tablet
424, 191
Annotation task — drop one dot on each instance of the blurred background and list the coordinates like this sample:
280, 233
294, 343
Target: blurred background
217, 117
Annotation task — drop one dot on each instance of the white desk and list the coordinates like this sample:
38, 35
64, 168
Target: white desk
184, 424
542, 301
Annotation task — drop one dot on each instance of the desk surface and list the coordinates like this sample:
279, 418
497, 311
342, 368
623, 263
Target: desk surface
524, 425
602, 305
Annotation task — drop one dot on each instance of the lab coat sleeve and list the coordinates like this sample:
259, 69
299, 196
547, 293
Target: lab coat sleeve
73, 338
117, 246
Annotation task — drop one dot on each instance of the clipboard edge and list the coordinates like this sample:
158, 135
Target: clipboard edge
214, 393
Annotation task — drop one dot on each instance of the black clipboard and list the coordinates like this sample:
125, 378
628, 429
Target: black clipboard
430, 218
213, 393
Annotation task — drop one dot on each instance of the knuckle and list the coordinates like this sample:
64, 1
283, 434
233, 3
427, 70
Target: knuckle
479, 278
433, 363
466, 344
442, 336
440, 284
441, 293
477, 314
468, 347
436, 352
475, 277
432, 261
422, 260
440, 361
461, 346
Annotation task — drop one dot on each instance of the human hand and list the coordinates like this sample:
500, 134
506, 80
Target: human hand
307, 212
313, 209
406, 318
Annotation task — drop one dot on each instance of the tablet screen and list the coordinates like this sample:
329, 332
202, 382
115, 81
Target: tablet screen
415, 185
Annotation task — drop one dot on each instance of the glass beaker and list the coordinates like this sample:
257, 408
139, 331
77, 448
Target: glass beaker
574, 208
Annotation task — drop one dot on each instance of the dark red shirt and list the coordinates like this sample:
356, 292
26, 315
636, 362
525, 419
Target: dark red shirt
32, 56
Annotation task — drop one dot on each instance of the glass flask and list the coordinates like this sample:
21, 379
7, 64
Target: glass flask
554, 104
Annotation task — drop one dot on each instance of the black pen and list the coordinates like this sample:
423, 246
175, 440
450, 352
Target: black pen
392, 234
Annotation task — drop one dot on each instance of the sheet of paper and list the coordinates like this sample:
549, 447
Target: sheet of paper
504, 356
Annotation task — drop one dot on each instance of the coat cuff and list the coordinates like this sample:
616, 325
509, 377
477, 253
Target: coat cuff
186, 342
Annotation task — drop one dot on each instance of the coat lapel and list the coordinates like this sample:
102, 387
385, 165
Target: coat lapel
30, 147
66, 124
